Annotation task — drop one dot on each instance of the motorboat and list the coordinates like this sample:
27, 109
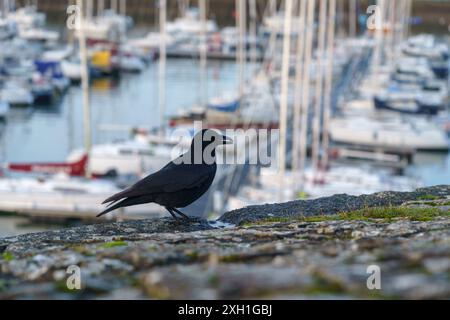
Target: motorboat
27, 17
275, 24
57, 55
112, 18
227, 42
62, 197
76, 168
39, 34
151, 41
425, 45
16, 94
408, 101
7, 29
145, 55
102, 30
389, 132
122, 158
51, 70
131, 63
418, 68
71, 69
190, 24
42, 90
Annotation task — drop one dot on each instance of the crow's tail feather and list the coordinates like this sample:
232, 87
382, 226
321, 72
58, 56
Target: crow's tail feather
132, 201
111, 208
120, 195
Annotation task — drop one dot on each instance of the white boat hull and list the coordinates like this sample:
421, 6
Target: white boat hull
66, 199
393, 136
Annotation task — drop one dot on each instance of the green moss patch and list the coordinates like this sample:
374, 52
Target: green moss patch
7, 256
428, 197
389, 213
383, 213
114, 244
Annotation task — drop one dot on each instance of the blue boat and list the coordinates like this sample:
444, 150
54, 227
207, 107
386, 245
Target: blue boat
396, 99
440, 69
52, 71
224, 105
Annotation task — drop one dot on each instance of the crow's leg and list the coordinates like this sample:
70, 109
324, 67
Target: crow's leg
181, 213
171, 213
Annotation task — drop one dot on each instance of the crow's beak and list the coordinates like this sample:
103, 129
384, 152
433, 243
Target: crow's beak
226, 140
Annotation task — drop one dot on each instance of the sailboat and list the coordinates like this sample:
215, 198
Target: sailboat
189, 25
7, 29
391, 132
16, 94
72, 168
60, 198
38, 34
150, 42
125, 158
27, 17
425, 45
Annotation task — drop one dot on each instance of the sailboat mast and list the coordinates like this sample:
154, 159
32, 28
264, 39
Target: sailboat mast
114, 5
298, 86
391, 9
162, 65
328, 81
253, 21
240, 57
306, 80
182, 6
377, 54
272, 9
352, 18
408, 18
123, 7
100, 7
404, 21
284, 93
318, 85
84, 85
5, 8
89, 9
203, 51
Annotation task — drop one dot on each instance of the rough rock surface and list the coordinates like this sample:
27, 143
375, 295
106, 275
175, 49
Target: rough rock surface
329, 205
261, 258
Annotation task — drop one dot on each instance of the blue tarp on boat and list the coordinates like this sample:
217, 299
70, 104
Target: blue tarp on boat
225, 107
52, 68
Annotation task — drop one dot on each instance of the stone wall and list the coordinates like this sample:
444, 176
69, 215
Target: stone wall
324, 248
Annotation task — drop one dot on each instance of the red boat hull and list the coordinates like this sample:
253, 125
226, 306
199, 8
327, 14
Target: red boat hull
77, 168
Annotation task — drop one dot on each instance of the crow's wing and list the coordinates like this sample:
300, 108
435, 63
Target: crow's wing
171, 178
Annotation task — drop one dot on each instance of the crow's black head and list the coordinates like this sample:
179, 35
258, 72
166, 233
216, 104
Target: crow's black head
209, 138
205, 142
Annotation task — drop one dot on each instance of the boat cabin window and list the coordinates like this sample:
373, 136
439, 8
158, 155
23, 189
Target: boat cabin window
126, 152
145, 153
432, 88
69, 190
